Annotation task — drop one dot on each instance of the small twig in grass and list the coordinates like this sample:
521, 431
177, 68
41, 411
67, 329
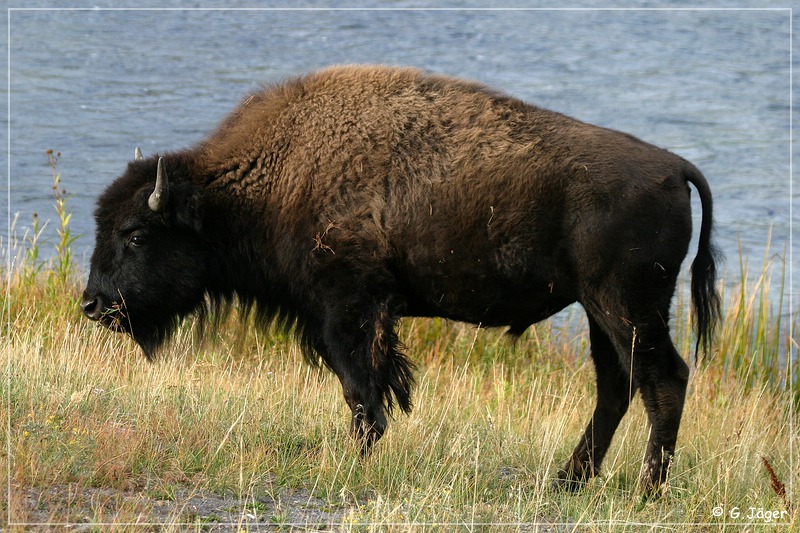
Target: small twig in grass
64, 268
777, 485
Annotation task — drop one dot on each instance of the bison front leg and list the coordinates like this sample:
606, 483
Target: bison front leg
349, 360
365, 357
368, 417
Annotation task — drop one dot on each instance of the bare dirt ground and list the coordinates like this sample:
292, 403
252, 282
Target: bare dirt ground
83, 509
73, 508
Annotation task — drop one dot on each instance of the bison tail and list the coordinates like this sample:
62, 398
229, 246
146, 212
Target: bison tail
705, 297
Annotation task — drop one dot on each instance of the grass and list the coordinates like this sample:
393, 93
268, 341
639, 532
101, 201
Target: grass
99, 437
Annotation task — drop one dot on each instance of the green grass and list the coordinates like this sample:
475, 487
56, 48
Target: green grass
97, 435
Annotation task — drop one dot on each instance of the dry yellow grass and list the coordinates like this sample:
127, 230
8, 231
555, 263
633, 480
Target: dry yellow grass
98, 435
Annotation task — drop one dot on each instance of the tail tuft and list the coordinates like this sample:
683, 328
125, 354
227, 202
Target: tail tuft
705, 297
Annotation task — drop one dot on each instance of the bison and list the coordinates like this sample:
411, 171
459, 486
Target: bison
335, 203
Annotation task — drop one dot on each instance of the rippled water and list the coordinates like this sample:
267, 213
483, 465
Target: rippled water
711, 85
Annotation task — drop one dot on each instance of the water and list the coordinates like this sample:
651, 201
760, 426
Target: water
711, 85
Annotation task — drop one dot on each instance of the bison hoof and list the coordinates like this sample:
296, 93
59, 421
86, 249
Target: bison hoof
652, 488
653, 482
364, 430
573, 476
565, 482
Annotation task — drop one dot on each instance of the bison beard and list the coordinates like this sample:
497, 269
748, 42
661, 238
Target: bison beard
149, 328
336, 203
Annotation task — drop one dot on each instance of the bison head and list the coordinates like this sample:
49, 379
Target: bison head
148, 267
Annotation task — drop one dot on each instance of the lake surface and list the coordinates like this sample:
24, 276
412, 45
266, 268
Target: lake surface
711, 85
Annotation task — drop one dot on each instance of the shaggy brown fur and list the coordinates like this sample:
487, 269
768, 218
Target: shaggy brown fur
340, 201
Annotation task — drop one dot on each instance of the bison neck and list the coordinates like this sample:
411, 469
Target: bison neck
251, 266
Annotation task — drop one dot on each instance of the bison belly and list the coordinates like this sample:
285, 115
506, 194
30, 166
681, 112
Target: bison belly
469, 278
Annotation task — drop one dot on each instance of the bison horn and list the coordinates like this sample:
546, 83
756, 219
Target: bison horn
137, 154
158, 200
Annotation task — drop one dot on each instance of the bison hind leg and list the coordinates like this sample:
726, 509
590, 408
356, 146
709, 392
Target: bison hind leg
614, 392
647, 361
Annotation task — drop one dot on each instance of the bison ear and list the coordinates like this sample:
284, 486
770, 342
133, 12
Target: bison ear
189, 209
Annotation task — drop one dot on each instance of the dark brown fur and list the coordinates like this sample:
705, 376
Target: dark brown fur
341, 201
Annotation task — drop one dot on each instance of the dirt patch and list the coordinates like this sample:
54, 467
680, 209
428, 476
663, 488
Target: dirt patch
82, 508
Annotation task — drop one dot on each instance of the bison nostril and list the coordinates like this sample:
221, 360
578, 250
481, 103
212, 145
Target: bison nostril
92, 307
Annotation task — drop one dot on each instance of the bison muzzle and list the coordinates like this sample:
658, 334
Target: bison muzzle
335, 203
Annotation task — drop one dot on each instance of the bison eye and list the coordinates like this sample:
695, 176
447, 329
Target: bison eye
136, 240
